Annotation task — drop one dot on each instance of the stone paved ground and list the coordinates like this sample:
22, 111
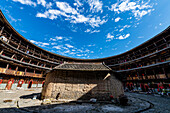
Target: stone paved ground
161, 104
8, 95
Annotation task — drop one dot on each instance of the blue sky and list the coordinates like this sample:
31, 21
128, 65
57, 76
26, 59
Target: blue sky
87, 29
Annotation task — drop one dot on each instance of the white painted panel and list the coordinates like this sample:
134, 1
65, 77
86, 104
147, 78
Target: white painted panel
3, 85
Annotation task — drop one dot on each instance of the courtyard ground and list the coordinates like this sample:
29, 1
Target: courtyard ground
21, 101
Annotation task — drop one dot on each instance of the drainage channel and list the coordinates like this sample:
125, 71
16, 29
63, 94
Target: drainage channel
151, 105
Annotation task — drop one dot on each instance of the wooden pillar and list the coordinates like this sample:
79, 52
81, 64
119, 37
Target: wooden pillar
1, 52
33, 52
156, 46
26, 49
1, 30
29, 61
13, 56
40, 54
22, 59
154, 74
16, 70
44, 65
165, 42
6, 67
146, 77
38, 63
25, 70
165, 73
9, 38
19, 45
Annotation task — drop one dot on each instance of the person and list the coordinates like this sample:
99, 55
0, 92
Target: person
3, 37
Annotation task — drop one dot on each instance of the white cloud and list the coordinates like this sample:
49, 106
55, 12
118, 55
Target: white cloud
60, 39
139, 10
95, 5
109, 37
11, 18
21, 8
57, 47
123, 36
69, 46
117, 19
26, 2
77, 3
126, 26
91, 45
78, 55
41, 44
92, 31
66, 7
71, 15
42, 2
138, 13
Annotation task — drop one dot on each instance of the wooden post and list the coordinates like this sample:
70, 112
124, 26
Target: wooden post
165, 73
38, 63
9, 38
6, 67
22, 59
13, 56
16, 70
1, 52
146, 77
33, 52
1, 30
165, 41
26, 49
44, 65
154, 74
25, 70
156, 46
29, 61
19, 45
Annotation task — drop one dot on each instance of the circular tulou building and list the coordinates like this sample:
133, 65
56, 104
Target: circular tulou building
25, 65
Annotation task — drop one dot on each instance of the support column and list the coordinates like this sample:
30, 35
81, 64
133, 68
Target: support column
25, 71
6, 67
19, 45
9, 38
1, 30
165, 73
155, 74
16, 70
1, 52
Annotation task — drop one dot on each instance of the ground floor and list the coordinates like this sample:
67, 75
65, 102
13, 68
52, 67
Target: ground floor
13, 82
162, 88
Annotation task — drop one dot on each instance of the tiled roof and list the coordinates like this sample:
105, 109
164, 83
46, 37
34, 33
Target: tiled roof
82, 67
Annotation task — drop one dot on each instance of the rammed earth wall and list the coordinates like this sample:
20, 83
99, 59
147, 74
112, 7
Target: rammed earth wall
81, 85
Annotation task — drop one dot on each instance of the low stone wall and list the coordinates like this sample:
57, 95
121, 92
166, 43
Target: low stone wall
81, 85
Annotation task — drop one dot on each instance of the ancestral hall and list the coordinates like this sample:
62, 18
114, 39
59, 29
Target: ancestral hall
81, 81
24, 65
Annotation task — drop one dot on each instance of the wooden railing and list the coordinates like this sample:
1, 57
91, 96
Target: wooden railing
2, 70
33, 75
19, 73
9, 71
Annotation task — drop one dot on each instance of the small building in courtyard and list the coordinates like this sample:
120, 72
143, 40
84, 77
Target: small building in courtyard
81, 81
